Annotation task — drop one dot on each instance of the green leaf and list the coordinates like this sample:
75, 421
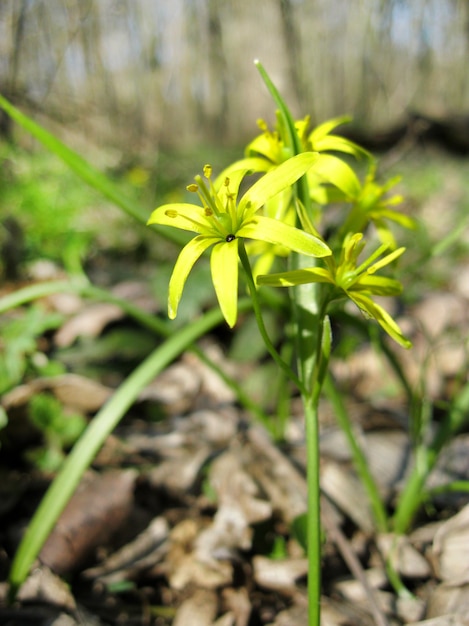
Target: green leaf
83, 169
299, 528
92, 439
296, 277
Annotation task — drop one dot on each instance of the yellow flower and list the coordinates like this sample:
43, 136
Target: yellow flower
221, 221
358, 283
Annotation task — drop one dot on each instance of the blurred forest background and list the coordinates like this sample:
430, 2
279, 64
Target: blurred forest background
147, 92
142, 74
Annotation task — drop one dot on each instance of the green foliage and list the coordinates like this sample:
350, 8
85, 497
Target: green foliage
21, 355
59, 430
53, 212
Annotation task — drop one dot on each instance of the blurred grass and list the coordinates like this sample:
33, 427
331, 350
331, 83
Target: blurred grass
435, 187
61, 219
47, 212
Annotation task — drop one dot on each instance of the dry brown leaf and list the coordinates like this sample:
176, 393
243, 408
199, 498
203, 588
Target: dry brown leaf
176, 388
177, 475
297, 615
183, 565
45, 586
95, 512
404, 557
452, 619
74, 391
347, 492
388, 453
279, 574
283, 483
89, 322
439, 312
198, 610
213, 388
450, 549
238, 507
228, 619
93, 317
143, 553
449, 599
239, 605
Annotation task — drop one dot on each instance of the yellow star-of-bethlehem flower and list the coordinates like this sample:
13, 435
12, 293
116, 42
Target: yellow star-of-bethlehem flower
358, 283
373, 204
222, 221
270, 149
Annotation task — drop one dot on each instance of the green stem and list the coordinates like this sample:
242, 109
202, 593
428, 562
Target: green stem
39, 290
260, 321
413, 494
310, 405
309, 312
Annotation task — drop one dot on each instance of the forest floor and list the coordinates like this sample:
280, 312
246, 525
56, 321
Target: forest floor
187, 516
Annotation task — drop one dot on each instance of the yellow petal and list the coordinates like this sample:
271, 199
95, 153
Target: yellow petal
333, 170
276, 232
277, 180
185, 216
383, 318
185, 262
224, 266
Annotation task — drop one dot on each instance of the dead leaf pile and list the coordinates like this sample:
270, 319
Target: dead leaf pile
188, 520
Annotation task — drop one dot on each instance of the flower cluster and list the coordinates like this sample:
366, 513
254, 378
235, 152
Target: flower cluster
357, 282
221, 220
271, 216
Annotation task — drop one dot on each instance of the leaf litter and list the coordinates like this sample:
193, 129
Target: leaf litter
188, 518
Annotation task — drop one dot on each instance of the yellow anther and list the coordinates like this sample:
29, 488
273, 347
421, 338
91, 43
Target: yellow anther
192, 187
207, 171
171, 213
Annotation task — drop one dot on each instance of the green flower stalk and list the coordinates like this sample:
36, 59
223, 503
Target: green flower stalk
358, 283
221, 221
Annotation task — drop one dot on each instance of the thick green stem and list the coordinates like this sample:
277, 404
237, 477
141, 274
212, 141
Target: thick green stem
309, 312
309, 308
314, 511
